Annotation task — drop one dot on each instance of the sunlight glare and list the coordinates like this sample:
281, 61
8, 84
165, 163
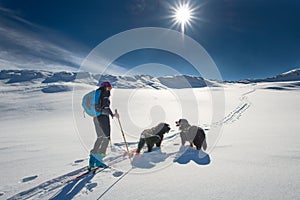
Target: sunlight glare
183, 14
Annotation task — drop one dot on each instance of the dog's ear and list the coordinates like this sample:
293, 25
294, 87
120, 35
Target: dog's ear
166, 128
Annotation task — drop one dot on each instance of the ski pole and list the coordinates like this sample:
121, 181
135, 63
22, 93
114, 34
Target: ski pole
123, 135
111, 147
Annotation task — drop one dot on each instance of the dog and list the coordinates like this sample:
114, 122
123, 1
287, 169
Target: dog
192, 134
153, 136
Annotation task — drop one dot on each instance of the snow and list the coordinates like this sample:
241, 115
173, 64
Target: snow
44, 140
56, 88
125, 82
292, 75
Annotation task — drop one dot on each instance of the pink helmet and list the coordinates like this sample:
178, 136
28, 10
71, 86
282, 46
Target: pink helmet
105, 84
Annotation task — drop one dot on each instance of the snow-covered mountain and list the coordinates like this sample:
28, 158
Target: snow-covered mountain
129, 82
50, 82
292, 75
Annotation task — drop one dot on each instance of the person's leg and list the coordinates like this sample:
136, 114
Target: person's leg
100, 136
95, 155
105, 126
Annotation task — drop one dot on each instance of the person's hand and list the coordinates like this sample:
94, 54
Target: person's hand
117, 115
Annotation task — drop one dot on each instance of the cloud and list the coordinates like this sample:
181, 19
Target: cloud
27, 45
23, 44
96, 63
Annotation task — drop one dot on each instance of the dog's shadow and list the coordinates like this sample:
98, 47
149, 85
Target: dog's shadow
149, 160
187, 154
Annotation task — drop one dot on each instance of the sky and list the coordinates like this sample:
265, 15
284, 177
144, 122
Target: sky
245, 38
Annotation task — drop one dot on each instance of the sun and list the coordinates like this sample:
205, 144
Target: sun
182, 15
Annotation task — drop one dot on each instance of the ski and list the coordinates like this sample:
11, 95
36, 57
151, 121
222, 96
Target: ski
96, 170
87, 172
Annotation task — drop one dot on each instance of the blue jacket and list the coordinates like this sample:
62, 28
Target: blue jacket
104, 103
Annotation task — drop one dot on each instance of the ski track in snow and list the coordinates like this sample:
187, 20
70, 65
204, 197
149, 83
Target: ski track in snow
46, 188
238, 111
58, 189
49, 188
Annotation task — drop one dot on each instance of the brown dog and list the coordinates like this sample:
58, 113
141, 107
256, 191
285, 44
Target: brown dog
193, 134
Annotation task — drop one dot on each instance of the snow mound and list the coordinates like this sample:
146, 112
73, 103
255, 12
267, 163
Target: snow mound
16, 76
61, 77
56, 88
184, 81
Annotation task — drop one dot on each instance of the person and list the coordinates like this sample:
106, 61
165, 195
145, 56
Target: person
102, 126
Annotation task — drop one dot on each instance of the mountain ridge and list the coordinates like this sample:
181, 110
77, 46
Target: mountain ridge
292, 75
129, 82
124, 82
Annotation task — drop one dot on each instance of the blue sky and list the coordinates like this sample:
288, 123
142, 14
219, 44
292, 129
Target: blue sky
245, 38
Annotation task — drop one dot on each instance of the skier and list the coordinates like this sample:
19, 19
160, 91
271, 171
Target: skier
102, 126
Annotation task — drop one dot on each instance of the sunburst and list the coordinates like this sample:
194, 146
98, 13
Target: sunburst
182, 14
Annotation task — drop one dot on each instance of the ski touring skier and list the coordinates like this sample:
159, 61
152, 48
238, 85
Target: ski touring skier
102, 124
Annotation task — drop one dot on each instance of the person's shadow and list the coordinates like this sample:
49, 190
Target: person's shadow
187, 154
74, 187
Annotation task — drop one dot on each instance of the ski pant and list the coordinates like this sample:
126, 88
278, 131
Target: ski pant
102, 126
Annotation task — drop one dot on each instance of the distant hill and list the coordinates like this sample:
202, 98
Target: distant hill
51, 82
293, 75
127, 82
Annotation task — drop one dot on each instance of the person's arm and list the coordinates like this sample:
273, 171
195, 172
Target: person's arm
105, 105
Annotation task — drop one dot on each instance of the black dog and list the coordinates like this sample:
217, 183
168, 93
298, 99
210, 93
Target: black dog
193, 134
153, 136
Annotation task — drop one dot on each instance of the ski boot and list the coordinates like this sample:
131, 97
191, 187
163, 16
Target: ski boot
96, 160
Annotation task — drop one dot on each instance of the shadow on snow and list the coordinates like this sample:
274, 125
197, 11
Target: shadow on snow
187, 154
74, 187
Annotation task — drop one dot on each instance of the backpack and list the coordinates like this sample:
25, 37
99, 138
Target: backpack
89, 101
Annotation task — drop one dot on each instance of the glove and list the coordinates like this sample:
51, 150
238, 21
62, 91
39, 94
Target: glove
117, 115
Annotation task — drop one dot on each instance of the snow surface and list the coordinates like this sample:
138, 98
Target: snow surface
44, 141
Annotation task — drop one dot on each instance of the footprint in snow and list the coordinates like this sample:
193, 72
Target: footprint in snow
30, 178
117, 174
91, 186
78, 161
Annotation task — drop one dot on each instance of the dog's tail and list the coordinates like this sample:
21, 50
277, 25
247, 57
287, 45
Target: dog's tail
204, 144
